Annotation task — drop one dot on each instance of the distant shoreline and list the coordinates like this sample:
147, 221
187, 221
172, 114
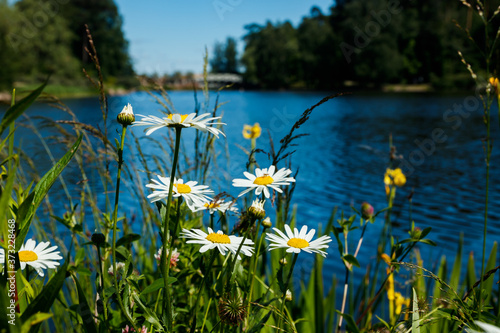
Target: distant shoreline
79, 92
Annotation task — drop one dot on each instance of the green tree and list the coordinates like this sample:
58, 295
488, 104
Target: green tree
271, 55
105, 24
39, 43
225, 57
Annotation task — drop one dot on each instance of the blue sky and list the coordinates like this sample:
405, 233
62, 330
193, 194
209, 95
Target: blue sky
166, 36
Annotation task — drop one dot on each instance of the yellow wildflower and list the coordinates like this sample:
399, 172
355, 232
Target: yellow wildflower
494, 84
400, 301
394, 177
252, 132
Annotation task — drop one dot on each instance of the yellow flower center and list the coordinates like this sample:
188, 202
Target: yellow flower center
212, 205
263, 180
183, 117
298, 243
183, 188
218, 238
26, 256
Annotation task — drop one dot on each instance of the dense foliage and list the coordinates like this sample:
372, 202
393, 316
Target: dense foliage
368, 42
38, 39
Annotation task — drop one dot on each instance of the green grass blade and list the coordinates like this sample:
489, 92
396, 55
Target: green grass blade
5, 198
16, 110
437, 287
84, 309
28, 207
47, 296
415, 323
457, 266
488, 284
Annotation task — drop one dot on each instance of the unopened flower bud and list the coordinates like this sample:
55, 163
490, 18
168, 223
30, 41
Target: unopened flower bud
267, 222
98, 239
366, 210
288, 296
257, 210
126, 117
283, 262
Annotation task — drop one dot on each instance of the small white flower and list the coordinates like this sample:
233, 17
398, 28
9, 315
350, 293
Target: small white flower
120, 266
37, 256
219, 240
174, 258
195, 195
263, 180
298, 241
218, 205
200, 122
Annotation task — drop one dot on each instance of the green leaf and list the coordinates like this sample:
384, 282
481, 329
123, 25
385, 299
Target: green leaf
157, 285
44, 300
17, 109
351, 260
4, 203
488, 284
149, 315
127, 239
32, 324
279, 277
28, 210
351, 324
457, 266
258, 327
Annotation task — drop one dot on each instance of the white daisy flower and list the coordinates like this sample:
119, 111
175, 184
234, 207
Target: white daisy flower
218, 205
296, 241
195, 195
219, 240
37, 256
200, 122
263, 179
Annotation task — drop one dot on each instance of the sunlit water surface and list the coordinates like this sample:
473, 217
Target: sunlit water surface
341, 162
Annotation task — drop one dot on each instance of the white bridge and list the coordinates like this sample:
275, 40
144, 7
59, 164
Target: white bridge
217, 80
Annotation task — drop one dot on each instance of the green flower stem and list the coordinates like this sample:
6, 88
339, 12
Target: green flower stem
295, 256
346, 280
206, 315
233, 263
251, 277
114, 220
488, 158
198, 296
166, 234
102, 283
12, 128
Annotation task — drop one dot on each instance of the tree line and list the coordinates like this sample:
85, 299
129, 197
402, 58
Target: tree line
41, 38
367, 43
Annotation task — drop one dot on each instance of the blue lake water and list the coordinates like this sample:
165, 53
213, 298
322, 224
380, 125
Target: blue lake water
343, 159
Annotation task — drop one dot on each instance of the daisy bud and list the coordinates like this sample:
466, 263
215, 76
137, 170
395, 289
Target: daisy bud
126, 117
98, 239
366, 210
257, 210
267, 222
283, 262
288, 296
